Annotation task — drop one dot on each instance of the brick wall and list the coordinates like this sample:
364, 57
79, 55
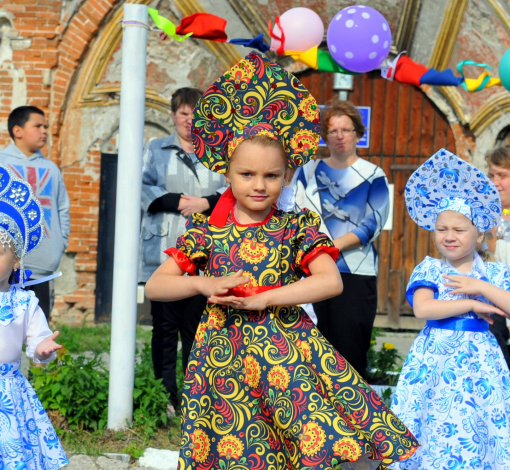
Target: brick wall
48, 43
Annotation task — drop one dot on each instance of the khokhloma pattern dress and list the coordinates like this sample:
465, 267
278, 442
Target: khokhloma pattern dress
454, 389
27, 438
264, 390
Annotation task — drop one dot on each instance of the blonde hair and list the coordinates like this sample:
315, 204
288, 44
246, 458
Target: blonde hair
499, 156
485, 254
263, 141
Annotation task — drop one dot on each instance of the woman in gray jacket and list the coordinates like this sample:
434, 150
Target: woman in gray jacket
173, 187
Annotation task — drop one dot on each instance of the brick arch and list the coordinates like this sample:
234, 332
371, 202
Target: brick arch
72, 49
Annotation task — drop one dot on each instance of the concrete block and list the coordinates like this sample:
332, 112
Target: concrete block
111, 464
160, 459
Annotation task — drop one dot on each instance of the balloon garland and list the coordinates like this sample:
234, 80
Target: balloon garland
358, 40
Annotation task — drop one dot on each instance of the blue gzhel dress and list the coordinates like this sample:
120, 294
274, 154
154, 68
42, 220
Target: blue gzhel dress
27, 438
454, 390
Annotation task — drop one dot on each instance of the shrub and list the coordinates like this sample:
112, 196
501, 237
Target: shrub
77, 387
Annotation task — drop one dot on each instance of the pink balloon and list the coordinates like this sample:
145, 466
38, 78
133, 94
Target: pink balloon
303, 29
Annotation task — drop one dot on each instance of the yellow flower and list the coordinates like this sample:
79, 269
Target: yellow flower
305, 348
201, 445
303, 141
251, 371
200, 334
252, 251
309, 108
347, 448
252, 280
230, 447
216, 318
312, 438
388, 346
327, 380
278, 377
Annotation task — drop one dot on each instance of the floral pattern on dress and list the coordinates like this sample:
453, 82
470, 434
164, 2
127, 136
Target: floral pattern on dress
27, 437
454, 389
265, 390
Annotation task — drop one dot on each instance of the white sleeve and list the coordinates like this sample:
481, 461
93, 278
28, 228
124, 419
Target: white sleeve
37, 330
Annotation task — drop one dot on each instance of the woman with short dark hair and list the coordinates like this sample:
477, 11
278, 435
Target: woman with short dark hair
351, 196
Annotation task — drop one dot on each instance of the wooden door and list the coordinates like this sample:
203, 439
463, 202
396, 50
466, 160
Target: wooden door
406, 129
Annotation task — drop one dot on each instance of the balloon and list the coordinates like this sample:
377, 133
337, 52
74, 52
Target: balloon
302, 28
359, 38
504, 70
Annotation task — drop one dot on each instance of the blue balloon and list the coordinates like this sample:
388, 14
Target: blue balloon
504, 70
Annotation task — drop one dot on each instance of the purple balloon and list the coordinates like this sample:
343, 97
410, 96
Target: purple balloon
359, 38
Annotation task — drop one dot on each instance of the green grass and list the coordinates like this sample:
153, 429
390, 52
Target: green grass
79, 339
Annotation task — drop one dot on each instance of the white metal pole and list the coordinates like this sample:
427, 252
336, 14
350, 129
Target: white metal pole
127, 215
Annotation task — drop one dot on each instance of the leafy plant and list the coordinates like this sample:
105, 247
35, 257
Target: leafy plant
76, 387
381, 363
150, 397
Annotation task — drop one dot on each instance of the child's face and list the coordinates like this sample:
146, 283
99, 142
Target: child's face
33, 135
257, 176
8, 262
500, 176
456, 236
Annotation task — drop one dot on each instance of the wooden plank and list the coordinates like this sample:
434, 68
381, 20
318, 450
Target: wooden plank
394, 295
405, 322
399, 211
403, 120
391, 103
378, 115
415, 122
427, 128
450, 141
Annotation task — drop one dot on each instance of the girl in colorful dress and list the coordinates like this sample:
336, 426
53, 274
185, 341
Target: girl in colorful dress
27, 438
454, 389
264, 389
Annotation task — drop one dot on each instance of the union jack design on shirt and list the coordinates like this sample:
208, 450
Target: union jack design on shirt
42, 184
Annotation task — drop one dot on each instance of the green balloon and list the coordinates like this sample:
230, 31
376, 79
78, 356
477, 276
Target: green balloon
504, 70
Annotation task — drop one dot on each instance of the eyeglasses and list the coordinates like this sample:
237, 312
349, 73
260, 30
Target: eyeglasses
335, 132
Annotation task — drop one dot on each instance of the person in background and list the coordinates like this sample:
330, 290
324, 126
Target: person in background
351, 196
27, 128
498, 161
173, 187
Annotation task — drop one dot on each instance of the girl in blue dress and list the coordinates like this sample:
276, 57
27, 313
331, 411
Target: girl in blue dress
27, 438
454, 389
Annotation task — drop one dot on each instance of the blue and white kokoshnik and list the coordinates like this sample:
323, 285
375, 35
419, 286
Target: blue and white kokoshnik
446, 182
21, 216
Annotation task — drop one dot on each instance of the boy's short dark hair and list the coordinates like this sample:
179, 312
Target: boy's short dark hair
185, 97
20, 116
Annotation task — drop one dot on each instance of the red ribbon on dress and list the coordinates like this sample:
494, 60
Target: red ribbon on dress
248, 291
223, 207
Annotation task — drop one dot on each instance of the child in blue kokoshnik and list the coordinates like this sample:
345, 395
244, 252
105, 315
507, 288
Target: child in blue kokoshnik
454, 389
27, 438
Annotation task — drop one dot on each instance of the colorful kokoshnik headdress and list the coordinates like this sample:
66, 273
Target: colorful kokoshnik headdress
21, 217
255, 97
447, 183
